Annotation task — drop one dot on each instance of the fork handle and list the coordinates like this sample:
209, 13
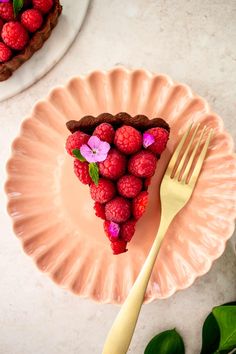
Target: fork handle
121, 333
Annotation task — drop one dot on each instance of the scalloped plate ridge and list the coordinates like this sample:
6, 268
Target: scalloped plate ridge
53, 214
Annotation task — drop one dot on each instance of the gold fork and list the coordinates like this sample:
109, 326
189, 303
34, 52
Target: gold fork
176, 189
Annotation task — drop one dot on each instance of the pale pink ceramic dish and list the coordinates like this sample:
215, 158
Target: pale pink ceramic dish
52, 212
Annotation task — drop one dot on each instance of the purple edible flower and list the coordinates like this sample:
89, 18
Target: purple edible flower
148, 139
95, 150
114, 230
4, 0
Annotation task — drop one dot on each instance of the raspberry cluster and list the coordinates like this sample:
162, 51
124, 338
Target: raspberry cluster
17, 29
120, 195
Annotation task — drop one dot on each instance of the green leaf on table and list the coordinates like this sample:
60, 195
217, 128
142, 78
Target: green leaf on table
93, 172
168, 342
17, 6
211, 334
77, 154
226, 319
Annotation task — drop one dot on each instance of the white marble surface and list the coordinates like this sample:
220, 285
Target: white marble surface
192, 41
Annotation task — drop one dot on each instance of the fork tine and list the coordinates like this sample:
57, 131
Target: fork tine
193, 155
175, 156
198, 166
183, 159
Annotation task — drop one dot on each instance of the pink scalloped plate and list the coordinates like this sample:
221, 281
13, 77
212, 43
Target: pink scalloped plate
52, 211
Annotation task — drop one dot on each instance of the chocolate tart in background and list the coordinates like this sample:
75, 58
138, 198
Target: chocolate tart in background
36, 39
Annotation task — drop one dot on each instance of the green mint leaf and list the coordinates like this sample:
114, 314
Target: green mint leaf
168, 342
93, 172
226, 319
77, 154
17, 6
211, 334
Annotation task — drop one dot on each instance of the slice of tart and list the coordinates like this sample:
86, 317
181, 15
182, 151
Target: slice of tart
117, 157
24, 30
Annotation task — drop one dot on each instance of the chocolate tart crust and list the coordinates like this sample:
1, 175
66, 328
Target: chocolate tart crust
35, 43
87, 124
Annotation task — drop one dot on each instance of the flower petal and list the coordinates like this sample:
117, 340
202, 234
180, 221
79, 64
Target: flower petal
101, 157
114, 230
94, 142
87, 153
148, 139
102, 151
105, 147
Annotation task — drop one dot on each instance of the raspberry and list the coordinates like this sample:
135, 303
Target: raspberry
161, 137
112, 237
105, 132
127, 230
43, 5
103, 192
14, 35
114, 165
128, 140
99, 210
5, 53
6, 11
118, 246
143, 164
81, 170
118, 210
129, 186
32, 20
106, 225
1, 25
75, 140
140, 204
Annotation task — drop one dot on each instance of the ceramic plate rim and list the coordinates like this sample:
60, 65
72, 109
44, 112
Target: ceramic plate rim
150, 75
